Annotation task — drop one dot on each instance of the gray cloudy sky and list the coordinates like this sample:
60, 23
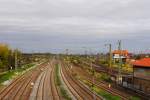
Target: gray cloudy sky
53, 25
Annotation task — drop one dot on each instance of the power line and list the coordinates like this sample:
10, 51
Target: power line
120, 62
110, 55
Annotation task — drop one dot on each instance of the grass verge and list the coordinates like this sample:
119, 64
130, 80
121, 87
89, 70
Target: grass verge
134, 98
13, 73
58, 82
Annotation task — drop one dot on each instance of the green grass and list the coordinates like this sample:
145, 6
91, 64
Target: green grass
134, 98
103, 77
105, 94
101, 92
10, 74
58, 82
100, 76
6, 76
64, 93
57, 79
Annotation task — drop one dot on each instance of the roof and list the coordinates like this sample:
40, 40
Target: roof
145, 62
120, 52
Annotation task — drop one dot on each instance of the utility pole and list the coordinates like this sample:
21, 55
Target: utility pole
85, 52
120, 63
110, 55
31, 56
67, 50
93, 74
16, 64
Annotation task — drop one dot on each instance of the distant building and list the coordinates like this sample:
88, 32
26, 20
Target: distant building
141, 75
123, 54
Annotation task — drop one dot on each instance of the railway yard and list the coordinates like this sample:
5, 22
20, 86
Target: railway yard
56, 79
74, 50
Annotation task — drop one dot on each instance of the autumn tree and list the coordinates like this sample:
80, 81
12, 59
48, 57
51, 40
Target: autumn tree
4, 54
8, 57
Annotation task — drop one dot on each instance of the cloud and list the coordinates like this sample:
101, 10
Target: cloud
73, 21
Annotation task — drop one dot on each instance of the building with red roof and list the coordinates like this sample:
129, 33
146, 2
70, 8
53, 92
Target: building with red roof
123, 54
145, 62
141, 68
141, 75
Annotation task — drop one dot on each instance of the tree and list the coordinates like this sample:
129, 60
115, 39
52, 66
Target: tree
7, 57
17, 57
4, 54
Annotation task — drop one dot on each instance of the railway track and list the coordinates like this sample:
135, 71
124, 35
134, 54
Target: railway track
109, 90
112, 72
104, 86
71, 89
54, 89
20, 88
77, 89
45, 88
